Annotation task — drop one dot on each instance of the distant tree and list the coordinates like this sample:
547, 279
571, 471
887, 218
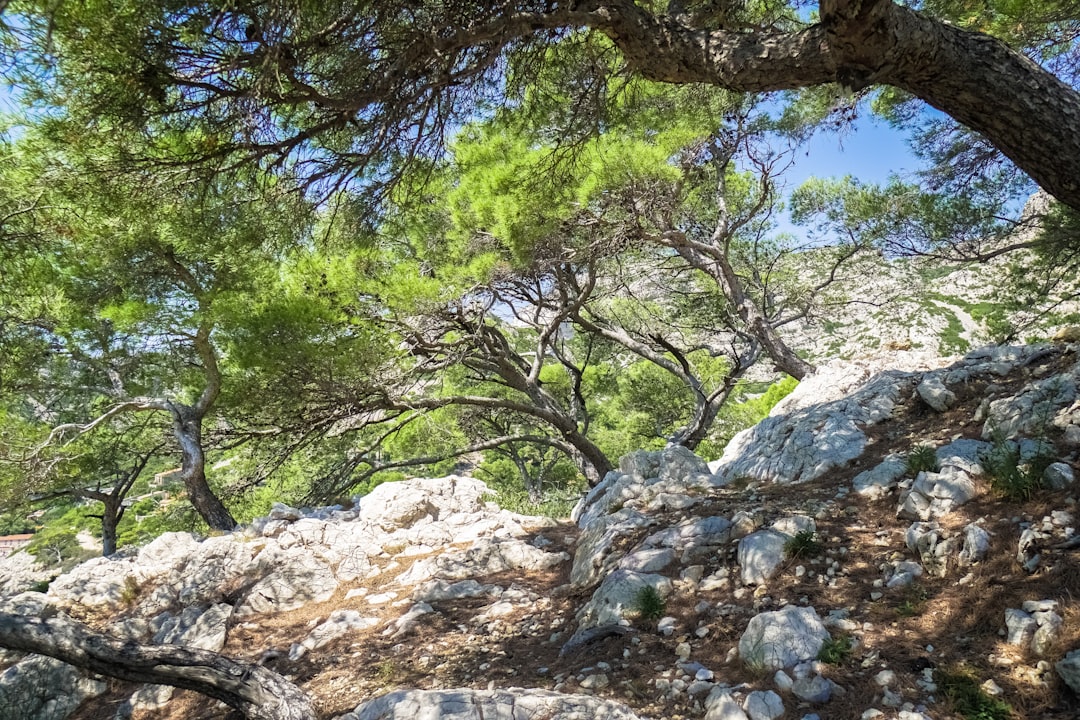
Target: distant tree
100, 468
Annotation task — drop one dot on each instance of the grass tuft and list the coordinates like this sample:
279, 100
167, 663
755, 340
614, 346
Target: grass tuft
804, 545
922, 458
648, 604
968, 699
836, 650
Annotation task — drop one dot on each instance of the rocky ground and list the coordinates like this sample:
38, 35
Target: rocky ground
811, 571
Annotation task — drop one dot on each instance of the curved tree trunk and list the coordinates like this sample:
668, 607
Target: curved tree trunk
187, 428
589, 458
255, 691
1023, 110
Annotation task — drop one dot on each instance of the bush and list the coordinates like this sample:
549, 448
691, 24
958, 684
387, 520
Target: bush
648, 604
922, 458
804, 545
836, 650
1011, 474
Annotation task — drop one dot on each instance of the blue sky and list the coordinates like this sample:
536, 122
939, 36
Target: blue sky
870, 150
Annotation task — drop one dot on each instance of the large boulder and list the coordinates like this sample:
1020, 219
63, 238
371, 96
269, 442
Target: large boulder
760, 555
594, 557
298, 578
618, 596
468, 704
782, 638
1033, 409
41, 688
110, 583
484, 557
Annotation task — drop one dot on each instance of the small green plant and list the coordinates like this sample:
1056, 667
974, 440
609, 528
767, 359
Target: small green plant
804, 545
130, 592
913, 601
922, 458
1011, 474
836, 650
386, 670
968, 699
648, 603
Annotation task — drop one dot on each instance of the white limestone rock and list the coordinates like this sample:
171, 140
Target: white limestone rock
976, 544
484, 557
593, 557
1069, 670
441, 591
725, 707
706, 531
782, 638
617, 597
876, 482
934, 393
297, 579
469, 704
680, 464
1058, 476
763, 705
21, 571
1021, 627
41, 688
648, 560
339, 623
760, 555
1028, 412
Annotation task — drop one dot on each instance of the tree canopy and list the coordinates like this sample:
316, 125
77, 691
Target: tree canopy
356, 91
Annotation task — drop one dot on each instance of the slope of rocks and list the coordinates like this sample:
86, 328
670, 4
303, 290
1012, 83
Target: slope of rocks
808, 572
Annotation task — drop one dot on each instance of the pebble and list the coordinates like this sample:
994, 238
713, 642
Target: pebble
595, 681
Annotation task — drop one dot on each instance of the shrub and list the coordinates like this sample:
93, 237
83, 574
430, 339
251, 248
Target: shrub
648, 604
922, 458
1012, 475
913, 601
804, 544
836, 650
968, 700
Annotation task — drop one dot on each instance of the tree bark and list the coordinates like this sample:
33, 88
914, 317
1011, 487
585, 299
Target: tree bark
187, 429
255, 691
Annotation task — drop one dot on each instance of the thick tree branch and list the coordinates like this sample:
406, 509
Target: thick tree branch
255, 691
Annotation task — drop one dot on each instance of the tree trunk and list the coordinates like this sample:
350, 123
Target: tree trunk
255, 691
1023, 110
590, 459
187, 428
110, 518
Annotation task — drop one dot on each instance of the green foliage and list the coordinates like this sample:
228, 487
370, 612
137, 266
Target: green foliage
912, 600
836, 650
555, 504
649, 604
966, 697
56, 543
804, 544
1012, 474
922, 458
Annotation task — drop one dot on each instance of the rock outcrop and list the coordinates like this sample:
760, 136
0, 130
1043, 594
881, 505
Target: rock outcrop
772, 582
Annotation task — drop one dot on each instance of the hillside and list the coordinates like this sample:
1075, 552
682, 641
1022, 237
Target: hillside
849, 557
